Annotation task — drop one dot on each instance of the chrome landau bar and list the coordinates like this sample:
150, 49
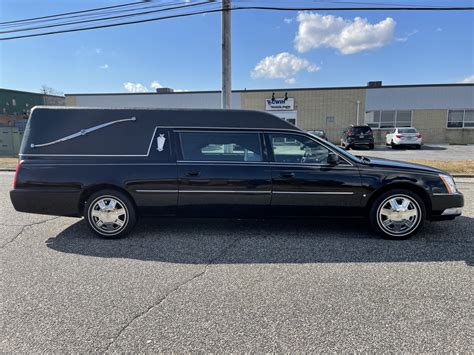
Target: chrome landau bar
82, 132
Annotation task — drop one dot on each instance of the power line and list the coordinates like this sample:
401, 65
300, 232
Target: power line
74, 12
377, 3
107, 18
238, 8
91, 15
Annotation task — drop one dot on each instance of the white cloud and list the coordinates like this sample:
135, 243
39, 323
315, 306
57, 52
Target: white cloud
98, 50
288, 20
155, 85
290, 81
468, 80
105, 66
180, 90
282, 66
135, 87
347, 36
439, 29
407, 35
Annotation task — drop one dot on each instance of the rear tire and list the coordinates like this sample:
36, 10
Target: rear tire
417, 146
371, 146
397, 214
110, 214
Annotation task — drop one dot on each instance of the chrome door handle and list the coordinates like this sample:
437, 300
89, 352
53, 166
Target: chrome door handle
192, 173
287, 175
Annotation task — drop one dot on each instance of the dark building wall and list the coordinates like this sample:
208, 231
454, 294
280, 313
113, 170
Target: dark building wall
18, 103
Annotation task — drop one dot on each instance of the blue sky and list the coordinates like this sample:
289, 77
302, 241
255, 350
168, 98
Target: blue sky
306, 50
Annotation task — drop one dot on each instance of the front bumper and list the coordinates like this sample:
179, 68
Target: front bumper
446, 206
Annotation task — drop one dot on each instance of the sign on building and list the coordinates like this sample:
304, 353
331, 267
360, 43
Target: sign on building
283, 107
280, 104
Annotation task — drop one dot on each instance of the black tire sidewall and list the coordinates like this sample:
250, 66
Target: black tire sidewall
132, 217
374, 210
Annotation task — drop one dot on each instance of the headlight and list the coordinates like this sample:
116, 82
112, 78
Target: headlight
448, 183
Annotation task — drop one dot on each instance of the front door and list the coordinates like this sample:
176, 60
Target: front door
223, 173
304, 184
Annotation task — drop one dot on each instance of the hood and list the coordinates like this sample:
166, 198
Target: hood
400, 165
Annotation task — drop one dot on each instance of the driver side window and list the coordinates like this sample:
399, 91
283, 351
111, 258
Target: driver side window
293, 148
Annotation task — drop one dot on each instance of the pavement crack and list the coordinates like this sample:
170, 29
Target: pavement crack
174, 290
23, 230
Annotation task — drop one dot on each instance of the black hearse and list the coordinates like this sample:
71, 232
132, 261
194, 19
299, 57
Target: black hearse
112, 165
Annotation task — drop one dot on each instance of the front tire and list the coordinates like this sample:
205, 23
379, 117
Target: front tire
397, 214
110, 214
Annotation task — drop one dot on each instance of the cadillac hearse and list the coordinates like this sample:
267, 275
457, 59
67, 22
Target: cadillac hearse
113, 165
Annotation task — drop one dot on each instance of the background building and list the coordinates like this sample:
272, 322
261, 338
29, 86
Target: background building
15, 108
444, 113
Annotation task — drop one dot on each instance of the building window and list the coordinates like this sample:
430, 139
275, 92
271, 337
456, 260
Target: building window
388, 119
460, 119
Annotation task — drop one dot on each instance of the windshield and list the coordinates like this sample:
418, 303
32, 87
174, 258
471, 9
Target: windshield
359, 130
344, 153
407, 130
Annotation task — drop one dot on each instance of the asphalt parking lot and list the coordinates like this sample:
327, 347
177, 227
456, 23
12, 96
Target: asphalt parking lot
223, 285
427, 152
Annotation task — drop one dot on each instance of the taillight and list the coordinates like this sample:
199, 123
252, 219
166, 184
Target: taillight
418, 135
370, 133
349, 132
16, 173
398, 135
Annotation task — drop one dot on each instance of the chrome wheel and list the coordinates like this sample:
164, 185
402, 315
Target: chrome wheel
398, 215
108, 215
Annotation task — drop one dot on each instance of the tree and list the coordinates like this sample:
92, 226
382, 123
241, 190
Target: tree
46, 90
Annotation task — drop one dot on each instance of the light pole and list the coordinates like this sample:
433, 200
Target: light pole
226, 56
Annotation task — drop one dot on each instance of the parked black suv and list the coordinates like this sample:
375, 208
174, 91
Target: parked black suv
357, 136
113, 165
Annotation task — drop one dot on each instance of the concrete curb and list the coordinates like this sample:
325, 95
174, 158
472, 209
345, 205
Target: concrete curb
462, 176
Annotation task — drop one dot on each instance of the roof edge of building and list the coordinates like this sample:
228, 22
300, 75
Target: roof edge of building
30, 92
274, 89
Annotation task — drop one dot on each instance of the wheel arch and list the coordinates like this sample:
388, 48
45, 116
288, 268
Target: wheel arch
420, 191
90, 190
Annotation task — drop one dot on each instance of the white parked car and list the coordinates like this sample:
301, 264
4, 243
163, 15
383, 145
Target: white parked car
406, 136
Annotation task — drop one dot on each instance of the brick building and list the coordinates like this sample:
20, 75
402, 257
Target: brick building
444, 113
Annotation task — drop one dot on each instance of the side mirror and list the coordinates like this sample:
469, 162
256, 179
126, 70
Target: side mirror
333, 158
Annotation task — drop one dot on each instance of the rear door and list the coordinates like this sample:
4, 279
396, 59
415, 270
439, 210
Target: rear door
303, 182
223, 173
153, 181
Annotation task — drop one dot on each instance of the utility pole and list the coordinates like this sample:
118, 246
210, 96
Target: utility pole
226, 56
357, 113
